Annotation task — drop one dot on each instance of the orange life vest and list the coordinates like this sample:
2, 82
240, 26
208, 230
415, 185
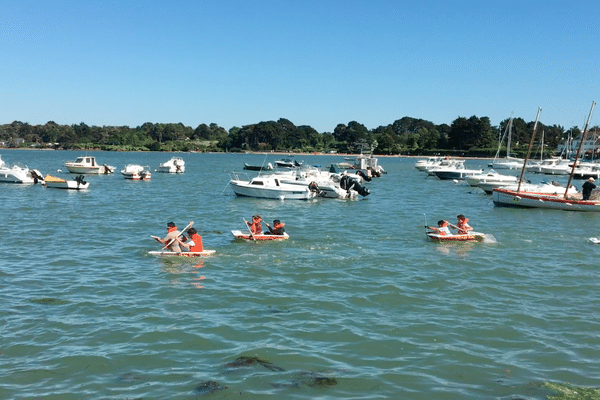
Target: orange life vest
463, 227
197, 239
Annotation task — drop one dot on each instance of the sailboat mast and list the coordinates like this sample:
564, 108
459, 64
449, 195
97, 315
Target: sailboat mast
537, 118
587, 123
510, 123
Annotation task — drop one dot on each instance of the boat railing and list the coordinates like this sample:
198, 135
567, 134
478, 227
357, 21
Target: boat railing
238, 176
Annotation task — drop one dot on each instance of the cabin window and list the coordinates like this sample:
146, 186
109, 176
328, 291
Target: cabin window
258, 183
277, 182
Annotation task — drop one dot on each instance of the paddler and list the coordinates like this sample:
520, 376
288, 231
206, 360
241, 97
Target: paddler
194, 244
442, 228
462, 225
277, 229
171, 238
255, 226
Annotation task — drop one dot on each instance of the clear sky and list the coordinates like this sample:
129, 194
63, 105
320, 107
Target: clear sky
314, 62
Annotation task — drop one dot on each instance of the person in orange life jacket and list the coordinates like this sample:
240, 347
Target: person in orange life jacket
194, 244
255, 226
442, 228
462, 225
587, 188
278, 228
171, 238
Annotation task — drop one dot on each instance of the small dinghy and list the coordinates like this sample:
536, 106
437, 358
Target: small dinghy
470, 237
248, 236
594, 240
78, 183
182, 254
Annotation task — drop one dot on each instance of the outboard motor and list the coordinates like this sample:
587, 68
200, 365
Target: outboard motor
348, 183
79, 180
366, 177
36, 175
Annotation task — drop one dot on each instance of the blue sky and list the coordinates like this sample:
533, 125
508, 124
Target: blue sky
317, 63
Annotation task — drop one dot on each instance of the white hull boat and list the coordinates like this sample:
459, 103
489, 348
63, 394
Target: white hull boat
503, 197
88, 165
458, 171
175, 165
270, 187
422, 165
136, 172
19, 174
76, 183
491, 177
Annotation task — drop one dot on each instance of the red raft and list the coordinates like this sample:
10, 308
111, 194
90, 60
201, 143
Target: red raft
247, 236
470, 237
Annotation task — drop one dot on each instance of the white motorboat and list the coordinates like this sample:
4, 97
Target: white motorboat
366, 163
422, 165
446, 162
270, 187
136, 172
456, 171
327, 184
19, 174
490, 177
77, 183
557, 166
175, 165
88, 165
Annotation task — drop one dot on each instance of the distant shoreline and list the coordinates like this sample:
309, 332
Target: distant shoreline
275, 153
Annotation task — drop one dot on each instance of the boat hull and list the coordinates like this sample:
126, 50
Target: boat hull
247, 236
16, 175
510, 198
282, 192
204, 253
471, 237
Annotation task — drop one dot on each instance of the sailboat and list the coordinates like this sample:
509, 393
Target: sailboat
508, 162
504, 197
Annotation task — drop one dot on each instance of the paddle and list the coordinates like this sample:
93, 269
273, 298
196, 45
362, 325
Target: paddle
251, 234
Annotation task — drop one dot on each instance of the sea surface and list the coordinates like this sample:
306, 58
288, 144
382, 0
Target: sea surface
357, 304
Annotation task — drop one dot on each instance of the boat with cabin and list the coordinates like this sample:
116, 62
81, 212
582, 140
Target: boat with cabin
269, 187
88, 165
175, 165
136, 172
19, 174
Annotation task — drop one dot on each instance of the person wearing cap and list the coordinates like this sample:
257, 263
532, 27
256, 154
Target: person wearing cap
587, 188
172, 238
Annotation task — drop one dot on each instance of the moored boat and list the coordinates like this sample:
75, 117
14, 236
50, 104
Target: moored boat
504, 197
19, 174
136, 172
262, 237
77, 183
270, 187
175, 165
88, 165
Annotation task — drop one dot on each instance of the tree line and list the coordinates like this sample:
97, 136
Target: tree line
406, 136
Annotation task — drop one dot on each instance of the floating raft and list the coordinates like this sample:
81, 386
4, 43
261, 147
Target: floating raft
182, 254
470, 237
247, 236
